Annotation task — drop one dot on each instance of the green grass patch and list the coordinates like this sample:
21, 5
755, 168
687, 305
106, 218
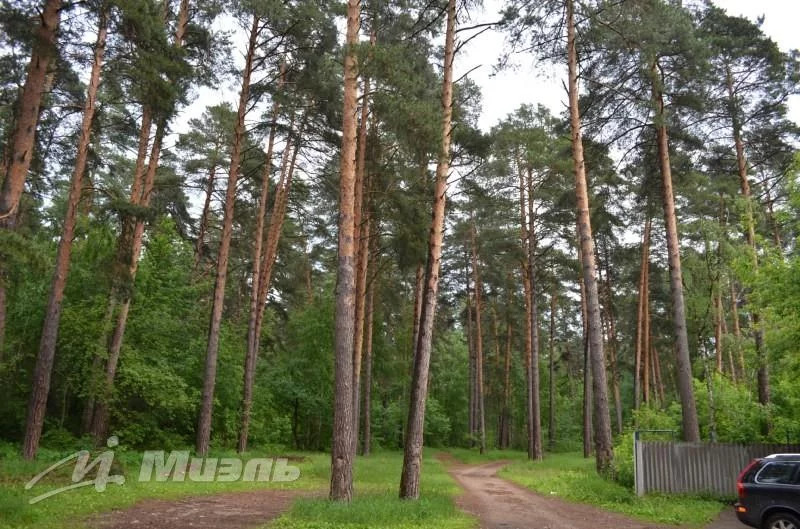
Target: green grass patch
376, 504
70, 509
572, 477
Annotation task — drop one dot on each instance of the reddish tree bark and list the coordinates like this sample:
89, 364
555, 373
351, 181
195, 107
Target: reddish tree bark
412, 456
602, 427
258, 242
212, 349
342, 446
683, 364
479, 392
640, 315
21, 143
47, 344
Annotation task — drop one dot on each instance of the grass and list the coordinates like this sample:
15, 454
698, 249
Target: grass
376, 504
70, 509
574, 478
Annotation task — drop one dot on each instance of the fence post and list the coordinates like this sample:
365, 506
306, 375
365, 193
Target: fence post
638, 474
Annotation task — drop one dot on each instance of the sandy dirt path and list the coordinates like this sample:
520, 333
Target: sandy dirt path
235, 510
500, 504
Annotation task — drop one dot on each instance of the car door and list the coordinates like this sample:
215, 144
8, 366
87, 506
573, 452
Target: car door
776, 484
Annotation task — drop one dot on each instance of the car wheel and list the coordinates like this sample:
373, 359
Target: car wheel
782, 521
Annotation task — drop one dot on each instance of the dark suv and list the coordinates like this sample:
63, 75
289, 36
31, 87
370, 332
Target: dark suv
769, 492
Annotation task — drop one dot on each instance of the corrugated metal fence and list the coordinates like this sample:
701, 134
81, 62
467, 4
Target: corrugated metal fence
673, 467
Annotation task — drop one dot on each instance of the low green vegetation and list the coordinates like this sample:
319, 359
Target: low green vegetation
71, 509
572, 477
376, 504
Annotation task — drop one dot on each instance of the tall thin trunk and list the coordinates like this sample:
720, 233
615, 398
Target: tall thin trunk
342, 447
646, 369
659, 381
776, 229
203, 228
535, 450
750, 232
479, 392
526, 267
131, 241
366, 407
215, 324
602, 421
471, 350
258, 241
613, 347
122, 298
419, 292
47, 345
267, 257
718, 318
737, 330
361, 232
640, 326
683, 363
588, 436
412, 464
551, 427
505, 436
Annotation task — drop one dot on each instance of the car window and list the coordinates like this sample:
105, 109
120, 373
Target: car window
777, 473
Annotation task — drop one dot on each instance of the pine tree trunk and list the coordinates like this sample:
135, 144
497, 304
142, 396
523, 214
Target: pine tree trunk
659, 381
640, 326
258, 242
267, 257
203, 228
215, 325
526, 267
471, 350
718, 316
412, 456
683, 364
419, 292
506, 430
535, 451
602, 422
130, 261
19, 151
47, 345
21, 144
366, 445
479, 392
750, 233
551, 428
361, 232
343, 412
588, 436
130, 243
613, 348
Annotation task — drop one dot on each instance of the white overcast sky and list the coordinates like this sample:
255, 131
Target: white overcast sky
533, 84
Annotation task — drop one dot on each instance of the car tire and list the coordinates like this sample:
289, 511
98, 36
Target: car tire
782, 520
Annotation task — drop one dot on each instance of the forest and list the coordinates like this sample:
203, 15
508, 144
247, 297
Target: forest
339, 259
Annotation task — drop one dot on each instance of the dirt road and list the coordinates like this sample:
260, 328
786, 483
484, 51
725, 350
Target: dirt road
236, 510
500, 504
